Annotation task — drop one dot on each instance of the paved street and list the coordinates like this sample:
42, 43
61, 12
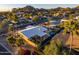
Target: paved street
4, 43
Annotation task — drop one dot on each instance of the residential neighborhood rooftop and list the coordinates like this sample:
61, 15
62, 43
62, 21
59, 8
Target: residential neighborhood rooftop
32, 31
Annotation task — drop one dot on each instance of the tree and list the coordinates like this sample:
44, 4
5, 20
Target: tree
27, 15
70, 26
16, 43
14, 10
49, 22
55, 48
3, 23
11, 40
19, 42
35, 18
10, 27
12, 17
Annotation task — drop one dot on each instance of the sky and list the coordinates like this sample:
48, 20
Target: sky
6, 7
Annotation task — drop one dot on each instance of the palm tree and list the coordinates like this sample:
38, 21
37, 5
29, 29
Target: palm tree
10, 27
49, 23
71, 27
1, 25
55, 48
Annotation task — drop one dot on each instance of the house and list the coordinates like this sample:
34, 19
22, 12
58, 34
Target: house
2, 18
77, 17
19, 14
29, 34
64, 20
21, 23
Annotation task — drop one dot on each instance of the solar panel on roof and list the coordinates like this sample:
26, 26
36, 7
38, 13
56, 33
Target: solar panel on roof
35, 31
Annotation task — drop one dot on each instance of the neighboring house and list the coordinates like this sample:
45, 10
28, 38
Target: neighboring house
77, 17
64, 20
2, 18
31, 32
55, 22
19, 14
22, 22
